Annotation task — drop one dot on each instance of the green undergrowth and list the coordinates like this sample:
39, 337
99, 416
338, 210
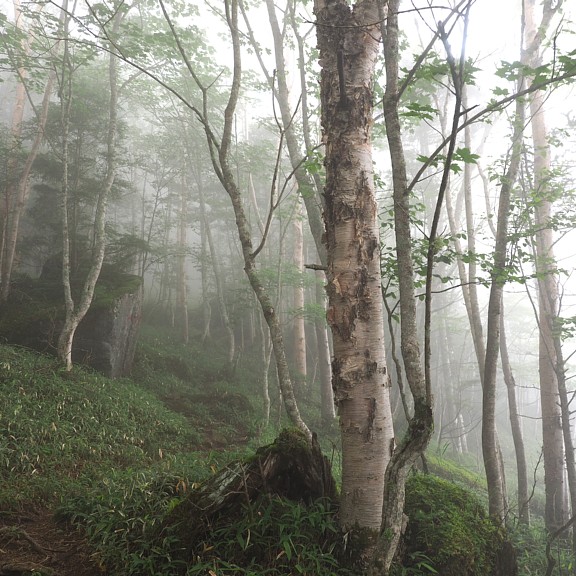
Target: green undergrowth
530, 542
61, 431
116, 456
451, 470
270, 536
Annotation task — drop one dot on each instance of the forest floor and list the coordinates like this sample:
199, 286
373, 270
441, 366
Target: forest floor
32, 542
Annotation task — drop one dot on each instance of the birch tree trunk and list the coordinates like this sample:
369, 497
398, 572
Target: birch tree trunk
553, 443
299, 333
76, 312
348, 40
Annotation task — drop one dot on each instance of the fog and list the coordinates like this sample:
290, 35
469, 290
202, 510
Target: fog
173, 221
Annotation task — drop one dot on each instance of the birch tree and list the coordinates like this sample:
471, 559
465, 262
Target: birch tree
546, 271
348, 40
76, 310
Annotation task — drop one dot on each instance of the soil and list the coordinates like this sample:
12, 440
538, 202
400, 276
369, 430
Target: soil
32, 543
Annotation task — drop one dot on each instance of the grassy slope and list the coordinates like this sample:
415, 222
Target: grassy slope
61, 432
115, 455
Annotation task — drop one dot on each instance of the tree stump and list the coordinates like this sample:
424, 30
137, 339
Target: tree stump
290, 467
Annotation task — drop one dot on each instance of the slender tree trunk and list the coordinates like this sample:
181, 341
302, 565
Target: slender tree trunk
348, 40
206, 307
182, 290
265, 357
516, 426
553, 442
65, 91
470, 289
497, 503
75, 314
299, 327
420, 425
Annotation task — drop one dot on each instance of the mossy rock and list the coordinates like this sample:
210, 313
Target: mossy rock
449, 531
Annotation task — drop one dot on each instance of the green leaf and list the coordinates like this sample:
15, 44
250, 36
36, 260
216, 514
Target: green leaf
421, 111
465, 155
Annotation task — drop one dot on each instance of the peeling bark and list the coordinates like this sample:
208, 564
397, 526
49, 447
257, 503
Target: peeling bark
348, 39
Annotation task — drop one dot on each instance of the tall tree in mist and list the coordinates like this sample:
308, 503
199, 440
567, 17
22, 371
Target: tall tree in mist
221, 156
348, 40
497, 497
546, 270
77, 307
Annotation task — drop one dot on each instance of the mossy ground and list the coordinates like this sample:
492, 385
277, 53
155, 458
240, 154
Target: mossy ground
448, 529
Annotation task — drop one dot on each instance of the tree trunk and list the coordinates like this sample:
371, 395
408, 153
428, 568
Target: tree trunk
553, 446
348, 40
516, 427
497, 504
299, 327
75, 314
420, 425
553, 443
470, 288
182, 287
206, 307
265, 357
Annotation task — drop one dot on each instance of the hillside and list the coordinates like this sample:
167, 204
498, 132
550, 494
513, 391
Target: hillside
91, 468
72, 437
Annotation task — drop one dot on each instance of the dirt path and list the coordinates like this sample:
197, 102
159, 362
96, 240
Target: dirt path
32, 543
